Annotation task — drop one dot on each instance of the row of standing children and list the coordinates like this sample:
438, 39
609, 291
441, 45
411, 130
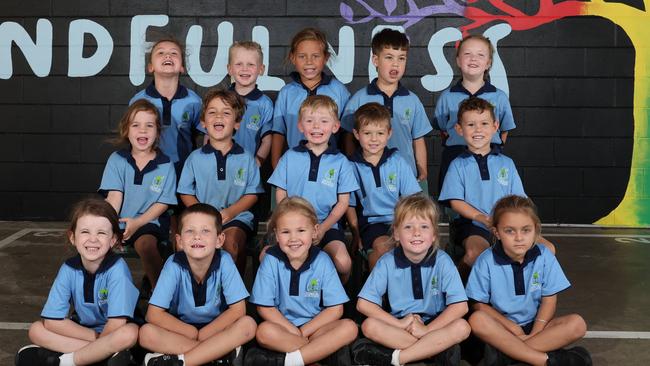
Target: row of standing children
316, 120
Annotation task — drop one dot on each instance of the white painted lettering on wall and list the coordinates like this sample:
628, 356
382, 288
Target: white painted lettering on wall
38, 52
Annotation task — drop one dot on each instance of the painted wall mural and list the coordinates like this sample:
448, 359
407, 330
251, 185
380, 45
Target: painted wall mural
68, 47
634, 209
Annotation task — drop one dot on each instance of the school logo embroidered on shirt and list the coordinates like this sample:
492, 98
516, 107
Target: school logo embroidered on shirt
240, 178
103, 296
536, 284
329, 180
392, 182
313, 288
186, 116
254, 123
434, 286
157, 183
406, 118
502, 176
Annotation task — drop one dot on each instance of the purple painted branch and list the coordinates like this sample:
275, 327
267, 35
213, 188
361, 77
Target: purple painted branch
413, 16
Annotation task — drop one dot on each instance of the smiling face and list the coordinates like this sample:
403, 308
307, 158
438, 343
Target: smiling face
373, 137
245, 66
416, 235
317, 124
166, 58
93, 237
390, 64
517, 233
477, 129
474, 58
143, 132
219, 120
199, 237
309, 61
295, 234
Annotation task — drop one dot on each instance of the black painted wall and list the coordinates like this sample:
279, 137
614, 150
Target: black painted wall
571, 85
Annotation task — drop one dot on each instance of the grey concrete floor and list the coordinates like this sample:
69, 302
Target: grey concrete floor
608, 268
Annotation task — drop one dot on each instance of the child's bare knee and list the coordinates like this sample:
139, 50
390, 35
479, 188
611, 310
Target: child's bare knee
147, 335
248, 327
265, 334
578, 325
36, 331
477, 321
370, 327
350, 329
125, 337
460, 330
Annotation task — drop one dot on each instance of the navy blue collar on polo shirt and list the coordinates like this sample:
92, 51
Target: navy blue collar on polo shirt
294, 285
401, 261
89, 278
181, 92
254, 94
138, 175
482, 160
373, 89
221, 159
314, 161
486, 88
199, 289
501, 258
357, 157
324, 80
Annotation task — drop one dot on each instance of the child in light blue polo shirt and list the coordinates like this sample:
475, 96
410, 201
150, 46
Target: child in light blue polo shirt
474, 59
299, 295
244, 66
478, 178
179, 107
97, 282
139, 181
515, 285
197, 313
408, 118
222, 173
309, 54
426, 296
318, 172
383, 175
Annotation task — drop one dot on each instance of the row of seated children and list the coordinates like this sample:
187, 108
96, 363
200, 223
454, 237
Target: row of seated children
197, 313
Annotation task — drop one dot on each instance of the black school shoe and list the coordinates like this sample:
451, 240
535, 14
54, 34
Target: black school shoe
162, 360
34, 355
122, 358
576, 356
263, 357
339, 358
448, 357
494, 357
367, 352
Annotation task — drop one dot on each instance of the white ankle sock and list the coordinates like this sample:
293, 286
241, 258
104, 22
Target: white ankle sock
181, 357
294, 359
66, 359
395, 358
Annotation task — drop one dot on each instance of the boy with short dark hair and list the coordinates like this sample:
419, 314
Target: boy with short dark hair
383, 175
477, 179
408, 118
223, 174
197, 312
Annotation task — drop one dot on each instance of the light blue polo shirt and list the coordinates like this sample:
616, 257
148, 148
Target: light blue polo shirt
299, 294
318, 179
221, 180
108, 293
446, 112
515, 290
198, 303
178, 117
424, 288
481, 180
408, 119
291, 96
156, 183
256, 122
381, 186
